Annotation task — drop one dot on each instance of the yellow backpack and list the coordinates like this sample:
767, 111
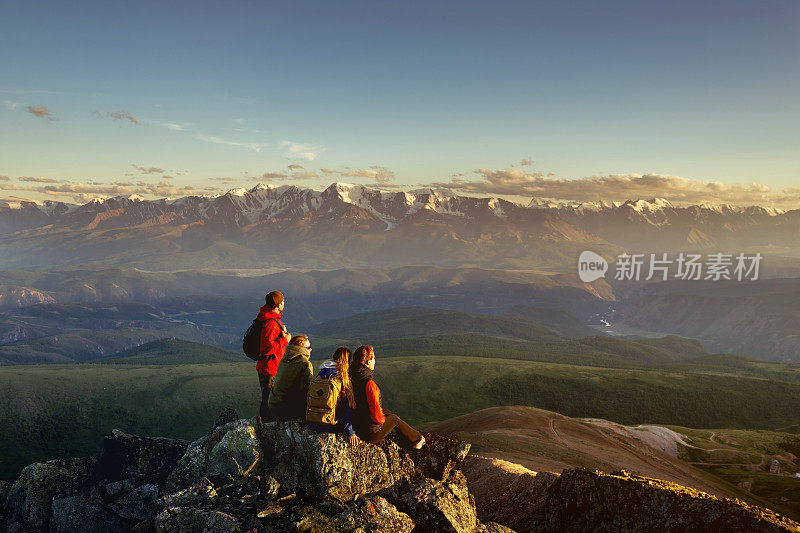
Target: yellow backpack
323, 395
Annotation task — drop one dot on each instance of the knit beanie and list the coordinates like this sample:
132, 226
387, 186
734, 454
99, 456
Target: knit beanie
274, 299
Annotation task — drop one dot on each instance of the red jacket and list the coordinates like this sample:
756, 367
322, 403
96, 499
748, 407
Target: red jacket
272, 342
374, 401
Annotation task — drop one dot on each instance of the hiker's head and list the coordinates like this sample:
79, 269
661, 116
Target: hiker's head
274, 300
342, 357
301, 341
364, 355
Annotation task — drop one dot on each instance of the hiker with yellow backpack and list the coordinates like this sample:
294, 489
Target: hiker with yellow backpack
330, 401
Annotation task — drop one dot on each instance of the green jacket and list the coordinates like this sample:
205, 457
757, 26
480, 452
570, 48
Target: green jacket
287, 399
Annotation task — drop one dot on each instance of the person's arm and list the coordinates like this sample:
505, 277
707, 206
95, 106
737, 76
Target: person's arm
273, 340
307, 378
347, 418
374, 401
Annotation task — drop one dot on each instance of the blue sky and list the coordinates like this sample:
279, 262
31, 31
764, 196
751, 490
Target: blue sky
687, 100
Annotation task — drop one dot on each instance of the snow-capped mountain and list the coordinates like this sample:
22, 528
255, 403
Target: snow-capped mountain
351, 224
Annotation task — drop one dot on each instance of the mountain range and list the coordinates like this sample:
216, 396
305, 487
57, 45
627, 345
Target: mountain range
356, 226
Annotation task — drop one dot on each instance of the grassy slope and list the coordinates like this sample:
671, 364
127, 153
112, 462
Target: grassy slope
174, 352
63, 410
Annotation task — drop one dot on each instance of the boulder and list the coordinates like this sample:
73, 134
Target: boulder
143, 459
439, 456
229, 451
442, 506
29, 500
322, 465
193, 520
584, 500
138, 504
376, 515
493, 527
196, 495
505, 492
78, 513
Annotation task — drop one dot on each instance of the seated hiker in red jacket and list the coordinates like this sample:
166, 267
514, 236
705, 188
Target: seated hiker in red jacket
274, 339
371, 422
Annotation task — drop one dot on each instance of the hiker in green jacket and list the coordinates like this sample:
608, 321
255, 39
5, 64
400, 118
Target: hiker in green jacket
287, 399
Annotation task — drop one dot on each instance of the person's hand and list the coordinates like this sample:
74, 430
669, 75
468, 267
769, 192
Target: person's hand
287, 336
353, 439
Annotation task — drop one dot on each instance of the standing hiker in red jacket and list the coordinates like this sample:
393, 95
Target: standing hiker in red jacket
274, 339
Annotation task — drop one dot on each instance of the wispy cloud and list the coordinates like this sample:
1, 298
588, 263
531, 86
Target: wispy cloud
10, 105
123, 115
223, 179
256, 147
4, 178
38, 180
294, 166
295, 150
620, 187
526, 162
83, 192
148, 170
175, 126
39, 111
298, 173
382, 177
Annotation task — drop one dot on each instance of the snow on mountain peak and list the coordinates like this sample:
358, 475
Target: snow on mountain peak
237, 192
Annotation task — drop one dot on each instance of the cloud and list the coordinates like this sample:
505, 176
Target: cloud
38, 180
293, 167
526, 162
39, 111
149, 170
8, 104
305, 175
83, 192
174, 126
301, 151
619, 187
4, 178
239, 121
328, 171
256, 147
123, 115
382, 176
280, 175
222, 179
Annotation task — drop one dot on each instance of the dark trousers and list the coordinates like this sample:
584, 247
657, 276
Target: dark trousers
265, 381
376, 433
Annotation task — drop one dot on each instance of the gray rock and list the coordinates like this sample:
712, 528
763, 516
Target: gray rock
29, 500
120, 487
439, 456
376, 515
325, 465
442, 506
195, 495
80, 514
192, 520
146, 460
139, 504
493, 527
229, 451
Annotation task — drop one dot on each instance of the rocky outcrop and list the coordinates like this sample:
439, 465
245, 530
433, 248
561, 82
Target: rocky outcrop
585, 500
245, 476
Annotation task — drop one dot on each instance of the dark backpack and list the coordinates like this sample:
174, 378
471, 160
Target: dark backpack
251, 344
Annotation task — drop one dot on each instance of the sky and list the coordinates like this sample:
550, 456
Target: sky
602, 100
